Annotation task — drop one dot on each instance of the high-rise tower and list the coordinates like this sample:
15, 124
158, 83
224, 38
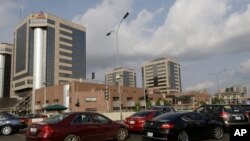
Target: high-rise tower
163, 74
48, 50
5, 69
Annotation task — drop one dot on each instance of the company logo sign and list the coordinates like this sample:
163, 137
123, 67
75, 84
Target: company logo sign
239, 132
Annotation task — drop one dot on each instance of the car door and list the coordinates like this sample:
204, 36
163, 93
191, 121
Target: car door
85, 128
107, 127
196, 124
2, 119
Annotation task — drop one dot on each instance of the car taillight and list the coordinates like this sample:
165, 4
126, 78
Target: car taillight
247, 114
46, 131
141, 121
167, 126
22, 120
224, 115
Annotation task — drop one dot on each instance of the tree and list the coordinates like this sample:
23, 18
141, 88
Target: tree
215, 100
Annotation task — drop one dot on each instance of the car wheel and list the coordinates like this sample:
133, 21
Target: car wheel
6, 130
183, 136
72, 138
121, 134
218, 132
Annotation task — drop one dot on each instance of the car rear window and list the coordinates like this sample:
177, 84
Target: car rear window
233, 108
246, 107
141, 114
167, 117
55, 119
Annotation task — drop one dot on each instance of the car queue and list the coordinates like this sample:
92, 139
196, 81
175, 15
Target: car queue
156, 123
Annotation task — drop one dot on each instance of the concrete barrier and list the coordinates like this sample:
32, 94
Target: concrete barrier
116, 115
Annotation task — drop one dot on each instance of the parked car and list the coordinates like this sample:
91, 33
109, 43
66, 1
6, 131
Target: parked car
164, 108
10, 123
227, 114
32, 118
77, 126
182, 126
136, 121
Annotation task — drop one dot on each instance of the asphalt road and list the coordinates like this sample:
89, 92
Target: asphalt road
133, 137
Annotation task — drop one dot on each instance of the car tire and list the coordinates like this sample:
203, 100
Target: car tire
122, 134
183, 136
217, 132
6, 130
72, 137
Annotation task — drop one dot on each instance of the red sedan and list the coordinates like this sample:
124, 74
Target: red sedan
136, 121
87, 126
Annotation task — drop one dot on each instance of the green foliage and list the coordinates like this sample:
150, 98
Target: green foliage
215, 100
149, 104
137, 107
158, 102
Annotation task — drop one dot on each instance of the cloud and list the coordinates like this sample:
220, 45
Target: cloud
9, 13
192, 30
201, 86
245, 67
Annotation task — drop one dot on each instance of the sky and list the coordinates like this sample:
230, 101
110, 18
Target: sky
210, 38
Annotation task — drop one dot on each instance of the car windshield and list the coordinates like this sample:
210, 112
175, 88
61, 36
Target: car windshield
12, 115
55, 119
141, 114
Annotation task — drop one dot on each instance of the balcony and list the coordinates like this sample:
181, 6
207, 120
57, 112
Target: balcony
130, 104
116, 104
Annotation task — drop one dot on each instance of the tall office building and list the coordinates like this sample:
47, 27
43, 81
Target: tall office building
162, 74
127, 77
5, 69
48, 50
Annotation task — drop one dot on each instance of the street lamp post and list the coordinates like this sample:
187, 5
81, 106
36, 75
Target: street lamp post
117, 60
218, 83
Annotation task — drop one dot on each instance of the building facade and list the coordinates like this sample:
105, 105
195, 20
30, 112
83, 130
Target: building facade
163, 74
126, 77
5, 69
89, 95
48, 51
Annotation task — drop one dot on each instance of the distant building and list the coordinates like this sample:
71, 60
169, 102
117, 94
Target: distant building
5, 69
234, 94
127, 77
48, 50
163, 74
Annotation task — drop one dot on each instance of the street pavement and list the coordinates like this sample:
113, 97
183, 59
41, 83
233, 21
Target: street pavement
133, 137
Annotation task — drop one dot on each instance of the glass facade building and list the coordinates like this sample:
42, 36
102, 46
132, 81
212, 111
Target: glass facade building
48, 51
5, 69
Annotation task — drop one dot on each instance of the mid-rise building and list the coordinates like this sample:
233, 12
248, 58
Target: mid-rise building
163, 74
48, 50
126, 77
5, 69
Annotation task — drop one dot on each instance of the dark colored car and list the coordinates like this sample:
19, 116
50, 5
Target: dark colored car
182, 127
164, 108
227, 114
87, 126
136, 121
246, 108
10, 123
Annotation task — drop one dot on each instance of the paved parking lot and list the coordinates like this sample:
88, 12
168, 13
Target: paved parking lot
133, 137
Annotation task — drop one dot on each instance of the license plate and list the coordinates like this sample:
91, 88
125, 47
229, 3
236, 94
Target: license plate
237, 118
33, 130
150, 134
132, 122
